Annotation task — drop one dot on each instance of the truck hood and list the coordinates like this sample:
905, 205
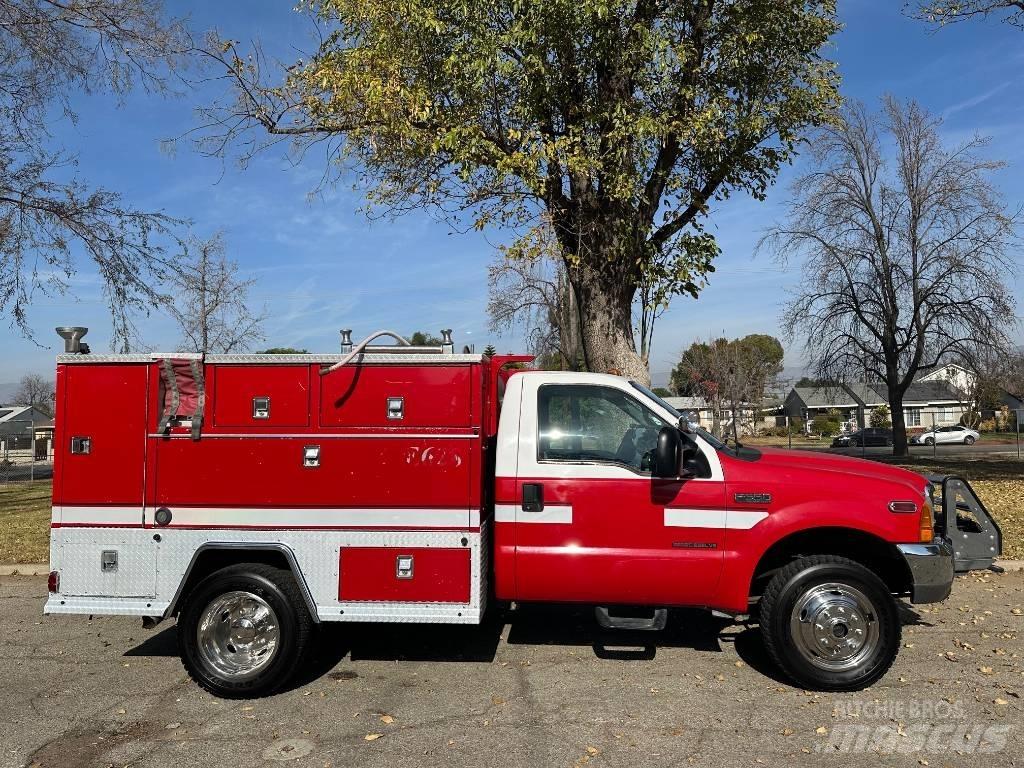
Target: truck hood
814, 461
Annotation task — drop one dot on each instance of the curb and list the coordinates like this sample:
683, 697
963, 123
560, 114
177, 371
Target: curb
1010, 565
25, 569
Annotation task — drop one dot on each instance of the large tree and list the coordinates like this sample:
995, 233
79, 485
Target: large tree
52, 221
621, 121
904, 243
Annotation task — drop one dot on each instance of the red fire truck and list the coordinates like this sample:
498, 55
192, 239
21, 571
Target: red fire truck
253, 497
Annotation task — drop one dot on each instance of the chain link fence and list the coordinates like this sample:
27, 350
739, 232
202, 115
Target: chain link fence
27, 456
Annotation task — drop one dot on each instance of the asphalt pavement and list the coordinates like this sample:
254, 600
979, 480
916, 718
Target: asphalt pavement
533, 687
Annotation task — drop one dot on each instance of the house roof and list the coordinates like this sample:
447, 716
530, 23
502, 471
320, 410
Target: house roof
872, 394
14, 419
687, 403
824, 397
12, 412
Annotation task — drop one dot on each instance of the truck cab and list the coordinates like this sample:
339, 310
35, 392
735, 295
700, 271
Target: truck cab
253, 497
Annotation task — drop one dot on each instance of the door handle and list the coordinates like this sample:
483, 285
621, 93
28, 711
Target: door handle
533, 497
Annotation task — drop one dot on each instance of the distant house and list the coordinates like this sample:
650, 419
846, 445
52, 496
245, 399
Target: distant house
751, 420
17, 423
925, 402
961, 378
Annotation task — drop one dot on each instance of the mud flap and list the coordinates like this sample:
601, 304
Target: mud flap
961, 517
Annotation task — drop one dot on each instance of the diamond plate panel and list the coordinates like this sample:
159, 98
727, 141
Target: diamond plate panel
316, 554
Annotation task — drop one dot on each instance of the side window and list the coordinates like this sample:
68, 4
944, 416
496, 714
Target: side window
586, 423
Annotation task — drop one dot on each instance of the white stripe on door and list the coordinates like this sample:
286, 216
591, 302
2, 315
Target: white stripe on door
680, 517
552, 513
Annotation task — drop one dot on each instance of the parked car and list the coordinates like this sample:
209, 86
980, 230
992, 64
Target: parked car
958, 434
863, 437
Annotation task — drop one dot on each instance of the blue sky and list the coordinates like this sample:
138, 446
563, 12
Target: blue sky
322, 265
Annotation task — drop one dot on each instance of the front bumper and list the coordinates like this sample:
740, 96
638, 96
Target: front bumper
931, 569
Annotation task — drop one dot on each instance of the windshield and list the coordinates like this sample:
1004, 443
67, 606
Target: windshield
717, 444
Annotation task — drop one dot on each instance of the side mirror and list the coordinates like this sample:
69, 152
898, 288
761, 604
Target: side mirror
668, 455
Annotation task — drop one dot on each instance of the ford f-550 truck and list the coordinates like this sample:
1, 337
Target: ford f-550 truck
253, 497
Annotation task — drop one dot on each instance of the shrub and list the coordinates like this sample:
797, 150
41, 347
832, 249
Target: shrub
988, 425
825, 425
880, 417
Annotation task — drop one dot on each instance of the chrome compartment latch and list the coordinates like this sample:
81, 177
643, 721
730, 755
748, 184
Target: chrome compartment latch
311, 456
396, 408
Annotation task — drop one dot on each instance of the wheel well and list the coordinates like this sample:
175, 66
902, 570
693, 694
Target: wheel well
876, 554
213, 558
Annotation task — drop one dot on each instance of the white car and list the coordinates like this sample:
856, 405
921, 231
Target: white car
940, 435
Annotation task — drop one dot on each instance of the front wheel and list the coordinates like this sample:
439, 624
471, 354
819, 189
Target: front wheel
244, 630
969, 440
830, 623
929, 441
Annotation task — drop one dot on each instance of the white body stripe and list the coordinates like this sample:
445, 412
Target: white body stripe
694, 518
276, 517
97, 515
681, 517
552, 513
745, 519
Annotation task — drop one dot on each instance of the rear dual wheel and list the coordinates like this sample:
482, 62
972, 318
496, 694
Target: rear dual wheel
830, 623
244, 630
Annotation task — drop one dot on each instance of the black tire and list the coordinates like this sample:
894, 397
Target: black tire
888, 443
929, 441
800, 579
277, 589
969, 440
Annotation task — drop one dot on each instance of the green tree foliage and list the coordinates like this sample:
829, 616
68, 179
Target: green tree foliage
731, 375
825, 424
424, 339
880, 417
813, 383
621, 121
490, 350
662, 391
283, 351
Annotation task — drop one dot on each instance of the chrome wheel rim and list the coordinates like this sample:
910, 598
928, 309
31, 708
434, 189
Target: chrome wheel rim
238, 635
834, 627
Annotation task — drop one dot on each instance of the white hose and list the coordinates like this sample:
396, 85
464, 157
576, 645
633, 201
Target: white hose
358, 348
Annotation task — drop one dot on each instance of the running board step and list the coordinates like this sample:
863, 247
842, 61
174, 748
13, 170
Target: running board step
652, 623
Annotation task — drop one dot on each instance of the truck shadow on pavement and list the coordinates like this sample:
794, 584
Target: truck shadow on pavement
537, 625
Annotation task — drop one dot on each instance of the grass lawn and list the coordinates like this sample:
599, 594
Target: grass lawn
25, 522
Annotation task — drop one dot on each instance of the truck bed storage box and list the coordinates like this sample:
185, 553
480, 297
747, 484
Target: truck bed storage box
397, 396
411, 574
261, 396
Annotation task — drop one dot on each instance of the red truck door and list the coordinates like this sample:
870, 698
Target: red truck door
591, 524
